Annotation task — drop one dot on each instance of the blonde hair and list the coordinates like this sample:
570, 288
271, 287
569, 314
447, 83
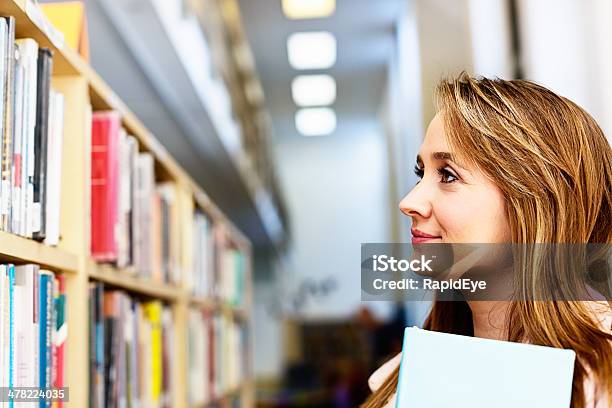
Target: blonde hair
553, 165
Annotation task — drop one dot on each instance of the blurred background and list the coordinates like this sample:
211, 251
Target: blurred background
327, 102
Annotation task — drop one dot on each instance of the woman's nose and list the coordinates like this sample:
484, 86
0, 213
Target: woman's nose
417, 202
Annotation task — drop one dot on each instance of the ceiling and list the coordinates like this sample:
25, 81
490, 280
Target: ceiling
364, 30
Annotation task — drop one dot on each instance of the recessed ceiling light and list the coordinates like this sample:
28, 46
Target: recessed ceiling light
313, 90
315, 121
311, 50
298, 9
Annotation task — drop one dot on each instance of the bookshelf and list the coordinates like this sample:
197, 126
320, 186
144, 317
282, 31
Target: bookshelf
84, 91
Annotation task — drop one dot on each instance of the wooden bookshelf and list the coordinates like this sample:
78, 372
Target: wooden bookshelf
84, 90
17, 249
127, 280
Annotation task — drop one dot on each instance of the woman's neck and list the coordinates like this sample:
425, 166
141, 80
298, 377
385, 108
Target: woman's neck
489, 319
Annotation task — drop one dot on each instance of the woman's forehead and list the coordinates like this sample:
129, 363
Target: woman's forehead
435, 138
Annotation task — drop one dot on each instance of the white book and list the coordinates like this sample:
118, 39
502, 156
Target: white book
54, 167
3, 90
6, 349
122, 228
202, 256
144, 190
25, 329
20, 332
3, 327
440, 370
168, 345
28, 49
17, 162
195, 359
167, 192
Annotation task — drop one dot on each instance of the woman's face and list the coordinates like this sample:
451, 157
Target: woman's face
452, 203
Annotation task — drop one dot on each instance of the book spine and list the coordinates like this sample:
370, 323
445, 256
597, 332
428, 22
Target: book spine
3, 298
28, 50
44, 70
123, 199
45, 330
132, 213
3, 90
34, 272
54, 168
8, 133
17, 146
60, 335
104, 184
11, 373
100, 346
144, 191
153, 312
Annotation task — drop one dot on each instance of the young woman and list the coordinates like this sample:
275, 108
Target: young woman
510, 161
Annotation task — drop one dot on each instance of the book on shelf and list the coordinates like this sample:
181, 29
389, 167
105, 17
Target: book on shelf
69, 18
32, 303
7, 70
31, 120
218, 359
135, 220
170, 232
59, 336
130, 348
218, 266
41, 143
201, 276
55, 138
104, 183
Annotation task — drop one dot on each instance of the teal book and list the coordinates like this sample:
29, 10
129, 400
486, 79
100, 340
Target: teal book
45, 330
11, 275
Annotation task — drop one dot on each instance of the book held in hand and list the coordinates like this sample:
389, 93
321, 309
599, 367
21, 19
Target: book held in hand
440, 370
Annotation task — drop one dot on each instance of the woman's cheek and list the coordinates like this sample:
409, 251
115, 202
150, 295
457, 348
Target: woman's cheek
455, 218
468, 218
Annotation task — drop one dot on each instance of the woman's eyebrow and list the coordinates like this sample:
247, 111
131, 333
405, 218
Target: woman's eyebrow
448, 156
442, 156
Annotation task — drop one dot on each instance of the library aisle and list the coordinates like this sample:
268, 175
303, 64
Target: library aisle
185, 185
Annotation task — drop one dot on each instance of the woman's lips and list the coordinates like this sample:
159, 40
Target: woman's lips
419, 237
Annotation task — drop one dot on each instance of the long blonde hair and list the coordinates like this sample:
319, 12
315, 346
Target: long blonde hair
553, 165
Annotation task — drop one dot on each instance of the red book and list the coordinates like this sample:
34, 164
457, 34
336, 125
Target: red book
60, 335
104, 185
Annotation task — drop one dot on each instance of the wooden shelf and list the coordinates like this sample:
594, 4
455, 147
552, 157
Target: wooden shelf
126, 279
238, 312
204, 304
18, 249
234, 392
82, 87
215, 305
68, 62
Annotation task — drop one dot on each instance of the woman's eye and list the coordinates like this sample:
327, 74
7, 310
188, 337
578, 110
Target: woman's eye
419, 171
446, 175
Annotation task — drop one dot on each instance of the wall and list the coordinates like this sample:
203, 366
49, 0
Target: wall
566, 47
336, 189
